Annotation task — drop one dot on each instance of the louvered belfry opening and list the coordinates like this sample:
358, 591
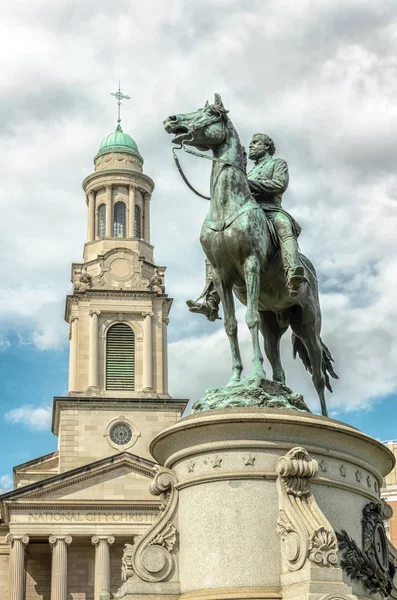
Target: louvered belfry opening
120, 358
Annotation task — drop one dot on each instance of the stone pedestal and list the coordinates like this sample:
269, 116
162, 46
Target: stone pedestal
258, 496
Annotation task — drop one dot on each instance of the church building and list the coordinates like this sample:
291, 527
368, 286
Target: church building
64, 526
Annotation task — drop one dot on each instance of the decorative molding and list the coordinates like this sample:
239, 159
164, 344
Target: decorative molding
110, 539
372, 565
54, 539
149, 557
306, 534
11, 538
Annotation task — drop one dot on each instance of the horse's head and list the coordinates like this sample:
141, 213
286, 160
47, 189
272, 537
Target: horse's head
203, 128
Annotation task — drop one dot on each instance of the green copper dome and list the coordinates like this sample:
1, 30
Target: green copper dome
118, 141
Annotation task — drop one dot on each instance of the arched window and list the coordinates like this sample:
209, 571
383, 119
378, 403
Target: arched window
138, 222
102, 221
119, 220
120, 358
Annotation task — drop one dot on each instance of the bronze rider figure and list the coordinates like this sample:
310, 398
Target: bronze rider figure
268, 180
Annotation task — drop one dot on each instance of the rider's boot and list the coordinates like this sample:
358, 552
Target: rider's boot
209, 307
293, 268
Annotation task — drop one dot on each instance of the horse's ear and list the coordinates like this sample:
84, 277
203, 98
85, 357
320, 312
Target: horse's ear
206, 104
218, 101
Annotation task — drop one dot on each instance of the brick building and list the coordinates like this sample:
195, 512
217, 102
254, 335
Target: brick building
389, 493
63, 527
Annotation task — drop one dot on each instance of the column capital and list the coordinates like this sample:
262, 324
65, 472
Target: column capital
72, 319
110, 539
54, 539
132, 186
11, 538
147, 314
108, 187
146, 195
94, 312
165, 320
91, 194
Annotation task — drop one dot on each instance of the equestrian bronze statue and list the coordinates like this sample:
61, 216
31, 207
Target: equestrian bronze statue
251, 246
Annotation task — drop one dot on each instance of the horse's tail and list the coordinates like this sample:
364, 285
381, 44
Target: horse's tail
298, 348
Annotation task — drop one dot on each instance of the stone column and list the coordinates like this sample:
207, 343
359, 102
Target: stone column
16, 570
73, 354
109, 220
146, 217
93, 356
165, 322
147, 352
131, 211
91, 217
102, 545
59, 566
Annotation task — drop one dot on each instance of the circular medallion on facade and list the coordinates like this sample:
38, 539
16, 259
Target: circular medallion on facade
120, 434
120, 268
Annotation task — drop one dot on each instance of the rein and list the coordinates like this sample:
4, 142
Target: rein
200, 155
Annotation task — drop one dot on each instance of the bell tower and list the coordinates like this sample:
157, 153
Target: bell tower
118, 311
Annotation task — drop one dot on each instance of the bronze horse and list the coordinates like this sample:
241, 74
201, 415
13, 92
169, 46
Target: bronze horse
237, 240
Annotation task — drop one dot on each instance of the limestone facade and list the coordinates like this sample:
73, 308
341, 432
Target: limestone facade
389, 493
64, 525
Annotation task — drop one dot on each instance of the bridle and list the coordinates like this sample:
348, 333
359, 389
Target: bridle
194, 126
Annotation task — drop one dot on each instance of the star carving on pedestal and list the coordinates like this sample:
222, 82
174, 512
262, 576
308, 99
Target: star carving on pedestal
249, 460
359, 476
376, 486
369, 481
323, 466
190, 466
342, 470
216, 462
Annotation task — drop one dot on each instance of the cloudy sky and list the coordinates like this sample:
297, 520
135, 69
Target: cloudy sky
320, 76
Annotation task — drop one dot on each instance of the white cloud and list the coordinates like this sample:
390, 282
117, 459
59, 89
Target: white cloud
6, 483
37, 418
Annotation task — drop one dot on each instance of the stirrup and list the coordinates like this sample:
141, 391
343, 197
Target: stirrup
295, 280
202, 308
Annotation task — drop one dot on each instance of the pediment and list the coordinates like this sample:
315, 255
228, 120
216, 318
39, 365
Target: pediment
123, 477
47, 464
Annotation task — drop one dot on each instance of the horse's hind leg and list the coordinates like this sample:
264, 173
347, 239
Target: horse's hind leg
252, 274
272, 331
230, 323
306, 324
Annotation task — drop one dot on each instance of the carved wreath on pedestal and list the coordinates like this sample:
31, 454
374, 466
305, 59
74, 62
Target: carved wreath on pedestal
371, 565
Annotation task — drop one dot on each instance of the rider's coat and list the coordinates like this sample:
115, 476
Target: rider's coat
268, 181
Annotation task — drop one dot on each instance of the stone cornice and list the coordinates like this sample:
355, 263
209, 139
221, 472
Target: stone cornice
96, 402
77, 297
127, 176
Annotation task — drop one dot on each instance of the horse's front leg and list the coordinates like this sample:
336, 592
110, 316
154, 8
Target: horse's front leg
252, 317
225, 292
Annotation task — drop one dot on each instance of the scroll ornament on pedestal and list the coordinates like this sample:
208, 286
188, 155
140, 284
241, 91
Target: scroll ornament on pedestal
306, 534
149, 557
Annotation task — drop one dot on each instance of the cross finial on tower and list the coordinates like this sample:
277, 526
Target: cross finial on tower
119, 97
